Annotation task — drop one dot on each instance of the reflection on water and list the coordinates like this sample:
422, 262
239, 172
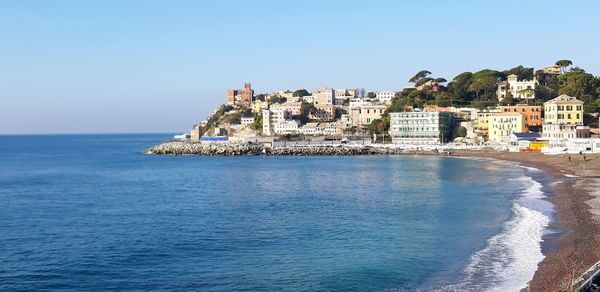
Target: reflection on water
99, 215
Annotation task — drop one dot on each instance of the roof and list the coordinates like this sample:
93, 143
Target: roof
564, 99
508, 114
531, 135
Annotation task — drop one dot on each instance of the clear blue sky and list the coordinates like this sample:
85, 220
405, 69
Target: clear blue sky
161, 66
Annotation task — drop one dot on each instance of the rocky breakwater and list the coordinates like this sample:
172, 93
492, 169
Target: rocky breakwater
235, 149
207, 149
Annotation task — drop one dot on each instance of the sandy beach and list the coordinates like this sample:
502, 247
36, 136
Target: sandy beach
575, 192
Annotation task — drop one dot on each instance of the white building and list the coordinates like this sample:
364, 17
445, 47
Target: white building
524, 89
247, 120
308, 98
272, 117
420, 127
385, 96
320, 129
579, 145
286, 127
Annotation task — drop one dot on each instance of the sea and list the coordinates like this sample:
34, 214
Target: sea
93, 213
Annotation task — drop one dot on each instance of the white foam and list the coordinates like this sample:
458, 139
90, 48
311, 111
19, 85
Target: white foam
530, 168
509, 260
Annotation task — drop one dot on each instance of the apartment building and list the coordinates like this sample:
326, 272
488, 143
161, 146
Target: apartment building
421, 127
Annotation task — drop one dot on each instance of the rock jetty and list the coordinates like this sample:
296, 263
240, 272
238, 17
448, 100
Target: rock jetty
236, 149
207, 149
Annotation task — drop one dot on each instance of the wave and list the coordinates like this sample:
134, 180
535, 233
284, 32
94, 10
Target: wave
510, 259
530, 168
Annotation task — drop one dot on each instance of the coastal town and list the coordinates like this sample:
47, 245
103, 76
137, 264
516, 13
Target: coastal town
552, 110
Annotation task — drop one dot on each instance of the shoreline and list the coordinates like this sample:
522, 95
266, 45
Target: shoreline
569, 253
570, 185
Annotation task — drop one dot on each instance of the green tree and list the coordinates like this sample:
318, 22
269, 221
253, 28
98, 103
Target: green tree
377, 126
247, 113
522, 73
484, 84
258, 121
420, 75
563, 64
443, 98
277, 99
582, 85
459, 87
300, 93
371, 94
399, 104
423, 81
527, 92
460, 132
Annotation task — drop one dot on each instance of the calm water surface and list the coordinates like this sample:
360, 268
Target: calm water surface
88, 212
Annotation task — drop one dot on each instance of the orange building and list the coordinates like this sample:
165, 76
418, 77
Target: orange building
241, 97
533, 112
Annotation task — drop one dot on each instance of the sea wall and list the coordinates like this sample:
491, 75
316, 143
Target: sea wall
235, 149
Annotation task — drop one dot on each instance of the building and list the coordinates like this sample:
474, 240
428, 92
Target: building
502, 125
369, 113
295, 108
564, 132
272, 117
482, 119
286, 127
524, 89
342, 96
241, 97
362, 114
563, 110
286, 94
324, 96
562, 116
551, 70
195, 132
420, 127
533, 113
308, 98
385, 96
322, 112
575, 146
521, 141
431, 85
320, 129
259, 105
247, 120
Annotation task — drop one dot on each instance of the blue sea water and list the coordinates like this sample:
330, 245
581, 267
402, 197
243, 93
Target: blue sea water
91, 212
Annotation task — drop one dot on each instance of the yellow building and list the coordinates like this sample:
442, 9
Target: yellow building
258, 106
563, 110
501, 125
562, 116
482, 122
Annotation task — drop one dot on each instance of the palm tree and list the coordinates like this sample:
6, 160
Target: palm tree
527, 92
